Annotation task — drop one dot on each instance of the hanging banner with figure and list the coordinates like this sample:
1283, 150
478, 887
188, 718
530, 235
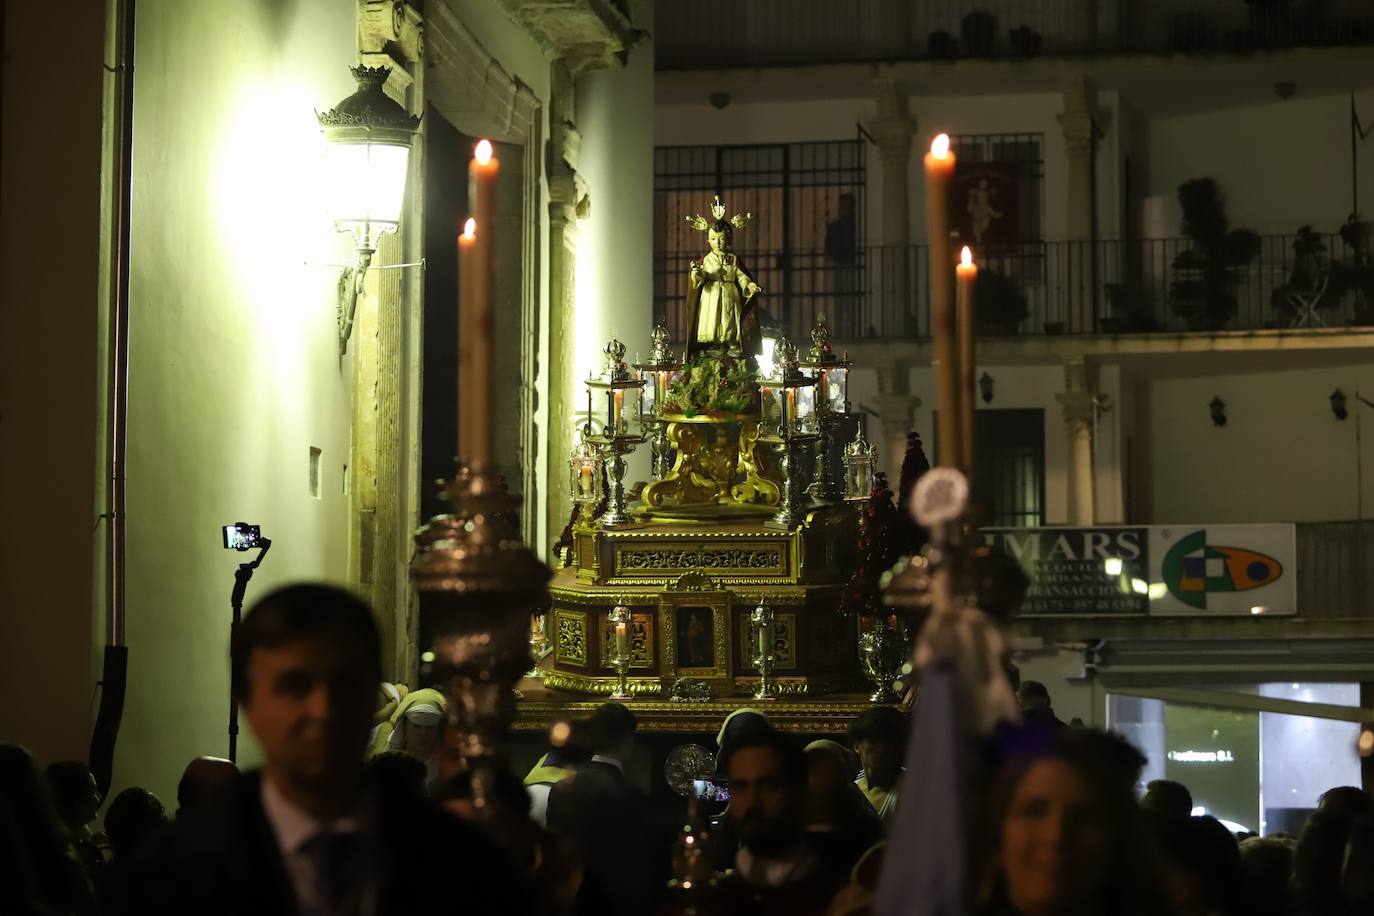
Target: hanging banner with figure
983, 204
1157, 570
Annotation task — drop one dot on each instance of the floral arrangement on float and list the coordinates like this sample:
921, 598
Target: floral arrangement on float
717, 386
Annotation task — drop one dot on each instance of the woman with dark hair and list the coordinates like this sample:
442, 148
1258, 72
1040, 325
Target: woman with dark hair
57, 880
1062, 833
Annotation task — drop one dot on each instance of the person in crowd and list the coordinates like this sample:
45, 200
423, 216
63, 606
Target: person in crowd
48, 876
603, 814
777, 870
1036, 708
1357, 871
743, 721
1320, 859
415, 729
77, 800
879, 737
1167, 799
133, 821
134, 817
1062, 833
1201, 865
309, 834
203, 782
1265, 866
739, 724
840, 822
569, 747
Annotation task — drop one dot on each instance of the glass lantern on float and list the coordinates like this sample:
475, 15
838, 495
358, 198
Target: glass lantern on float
788, 417
830, 409
367, 157
615, 415
860, 467
584, 481
656, 374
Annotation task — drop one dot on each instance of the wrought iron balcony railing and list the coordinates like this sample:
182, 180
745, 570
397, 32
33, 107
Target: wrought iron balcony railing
1051, 288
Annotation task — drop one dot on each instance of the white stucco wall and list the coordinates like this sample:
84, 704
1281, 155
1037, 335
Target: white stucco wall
615, 115
1281, 165
1281, 457
234, 365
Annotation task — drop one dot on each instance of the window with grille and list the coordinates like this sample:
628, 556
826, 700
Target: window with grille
1009, 465
804, 244
1022, 155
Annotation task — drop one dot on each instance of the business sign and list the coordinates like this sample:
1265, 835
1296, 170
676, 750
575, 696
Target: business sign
1162, 570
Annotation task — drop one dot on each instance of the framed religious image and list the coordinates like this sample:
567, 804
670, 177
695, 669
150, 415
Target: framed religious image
694, 622
695, 639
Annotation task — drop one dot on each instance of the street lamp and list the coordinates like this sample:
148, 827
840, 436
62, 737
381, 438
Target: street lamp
368, 138
1338, 404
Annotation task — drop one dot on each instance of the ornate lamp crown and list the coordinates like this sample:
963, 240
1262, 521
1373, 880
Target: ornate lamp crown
700, 223
660, 354
370, 109
820, 341
616, 368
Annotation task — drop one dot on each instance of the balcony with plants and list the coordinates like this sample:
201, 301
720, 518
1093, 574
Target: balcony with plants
716, 34
1211, 279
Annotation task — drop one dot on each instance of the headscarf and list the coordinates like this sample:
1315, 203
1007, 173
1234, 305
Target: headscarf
423, 707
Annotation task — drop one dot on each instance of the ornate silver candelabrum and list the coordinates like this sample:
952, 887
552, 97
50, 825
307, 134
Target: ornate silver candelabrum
764, 655
621, 621
656, 374
831, 406
788, 413
616, 418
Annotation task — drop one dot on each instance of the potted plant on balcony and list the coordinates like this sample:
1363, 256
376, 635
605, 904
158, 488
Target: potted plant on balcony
1203, 292
979, 33
1309, 285
999, 304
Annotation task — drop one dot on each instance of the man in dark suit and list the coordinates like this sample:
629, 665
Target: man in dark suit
603, 814
308, 834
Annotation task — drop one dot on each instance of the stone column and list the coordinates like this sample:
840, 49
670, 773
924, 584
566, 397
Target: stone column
892, 130
1078, 123
1080, 407
891, 272
896, 416
385, 443
567, 200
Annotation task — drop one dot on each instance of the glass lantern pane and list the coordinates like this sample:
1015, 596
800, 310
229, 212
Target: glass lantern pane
838, 381
650, 384
632, 420
806, 402
769, 411
366, 183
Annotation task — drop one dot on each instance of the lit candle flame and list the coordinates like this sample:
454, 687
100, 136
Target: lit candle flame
966, 257
483, 152
939, 147
470, 228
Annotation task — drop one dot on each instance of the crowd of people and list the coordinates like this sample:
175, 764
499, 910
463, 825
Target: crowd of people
367, 805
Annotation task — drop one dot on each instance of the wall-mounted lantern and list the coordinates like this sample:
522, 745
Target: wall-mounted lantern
1218, 408
368, 138
1338, 404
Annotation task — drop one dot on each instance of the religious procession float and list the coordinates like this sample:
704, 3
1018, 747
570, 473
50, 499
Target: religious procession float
719, 580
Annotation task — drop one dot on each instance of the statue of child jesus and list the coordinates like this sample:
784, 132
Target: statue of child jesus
720, 293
